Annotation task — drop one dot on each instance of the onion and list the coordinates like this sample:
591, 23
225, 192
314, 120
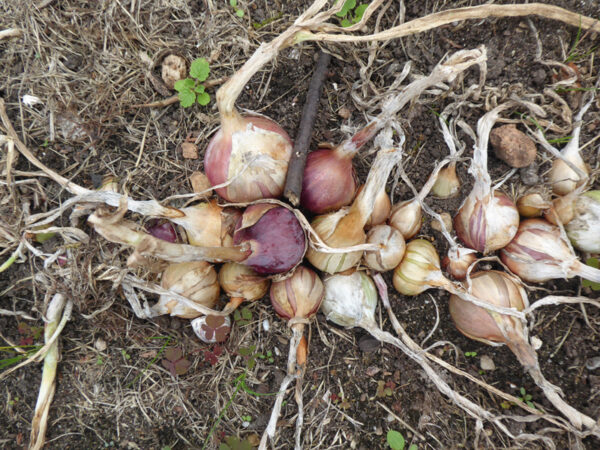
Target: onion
584, 229
487, 219
296, 299
163, 230
251, 155
458, 261
538, 253
392, 248
419, 269
241, 283
345, 228
532, 205
195, 280
499, 290
209, 225
329, 180
268, 238
447, 183
381, 209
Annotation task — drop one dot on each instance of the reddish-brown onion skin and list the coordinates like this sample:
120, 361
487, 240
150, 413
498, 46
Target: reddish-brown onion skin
329, 182
218, 154
297, 303
277, 241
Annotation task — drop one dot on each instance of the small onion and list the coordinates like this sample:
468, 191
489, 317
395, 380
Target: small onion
407, 218
562, 209
538, 253
458, 261
447, 184
532, 205
241, 283
562, 178
419, 269
298, 296
381, 209
350, 300
195, 280
251, 153
584, 229
392, 248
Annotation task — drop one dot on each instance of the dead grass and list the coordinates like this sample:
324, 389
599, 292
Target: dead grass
89, 65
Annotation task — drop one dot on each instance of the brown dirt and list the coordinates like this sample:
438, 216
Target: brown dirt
84, 61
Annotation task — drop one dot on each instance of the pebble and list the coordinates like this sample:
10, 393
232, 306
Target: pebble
529, 175
189, 150
100, 344
593, 363
513, 146
487, 363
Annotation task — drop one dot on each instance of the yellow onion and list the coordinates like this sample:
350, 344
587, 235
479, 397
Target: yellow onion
195, 280
538, 253
345, 228
532, 205
407, 218
419, 269
209, 225
392, 248
241, 283
447, 184
251, 154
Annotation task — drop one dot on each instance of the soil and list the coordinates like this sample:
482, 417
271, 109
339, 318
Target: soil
90, 64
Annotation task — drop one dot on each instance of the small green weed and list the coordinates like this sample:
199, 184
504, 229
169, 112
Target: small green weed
396, 441
242, 316
238, 11
526, 398
470, 354
351, 13
191, 90
234, 443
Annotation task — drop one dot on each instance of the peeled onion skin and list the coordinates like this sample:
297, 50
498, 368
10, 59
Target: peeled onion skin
329, 182
538, 254
487, 224
252, 152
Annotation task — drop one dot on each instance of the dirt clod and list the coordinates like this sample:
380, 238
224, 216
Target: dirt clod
513, 146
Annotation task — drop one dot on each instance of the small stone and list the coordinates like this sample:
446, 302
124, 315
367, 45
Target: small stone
529, 175
174, 69
368, 344
593, 363
486, 363
344, 113
100, 344
189, 150
512, 146
372, 371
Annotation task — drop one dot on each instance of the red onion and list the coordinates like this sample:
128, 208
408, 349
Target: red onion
163, 230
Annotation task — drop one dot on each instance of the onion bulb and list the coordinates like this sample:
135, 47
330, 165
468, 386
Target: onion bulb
392, 248
195, 280
532, 205
447, 184
350, 300
241, 283
487, 219
538, 253
250, 154
584, 229
500, 290
209, 225
381, 209
458, 261
419, 269
345, 228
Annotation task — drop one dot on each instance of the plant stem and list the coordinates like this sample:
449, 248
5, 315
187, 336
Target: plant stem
293, 184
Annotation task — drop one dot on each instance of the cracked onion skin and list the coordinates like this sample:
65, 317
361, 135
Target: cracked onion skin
252, 153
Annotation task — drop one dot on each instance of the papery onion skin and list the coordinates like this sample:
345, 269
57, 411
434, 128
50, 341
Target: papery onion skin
487, 227
447, 184
538, 253
276, 238
392, 248
419, 269
532, 205
195, 280
239, 280
329, 181
477, 323
350, 300
298, 296
230, 153
457, 265
584, 229
381, 210
562, 178
407, 217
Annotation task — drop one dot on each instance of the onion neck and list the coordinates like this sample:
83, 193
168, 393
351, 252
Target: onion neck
587, 272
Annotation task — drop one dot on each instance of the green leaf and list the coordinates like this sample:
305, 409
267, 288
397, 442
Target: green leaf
233, 3
245, 351
346, 23
184, 85
199, 89
413, 447
43, 237
203, 99
246, 313
359, 12
395, 440
239, 12
522, 391
348, 6
592, 262
200, 69
187, 98
251, 363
